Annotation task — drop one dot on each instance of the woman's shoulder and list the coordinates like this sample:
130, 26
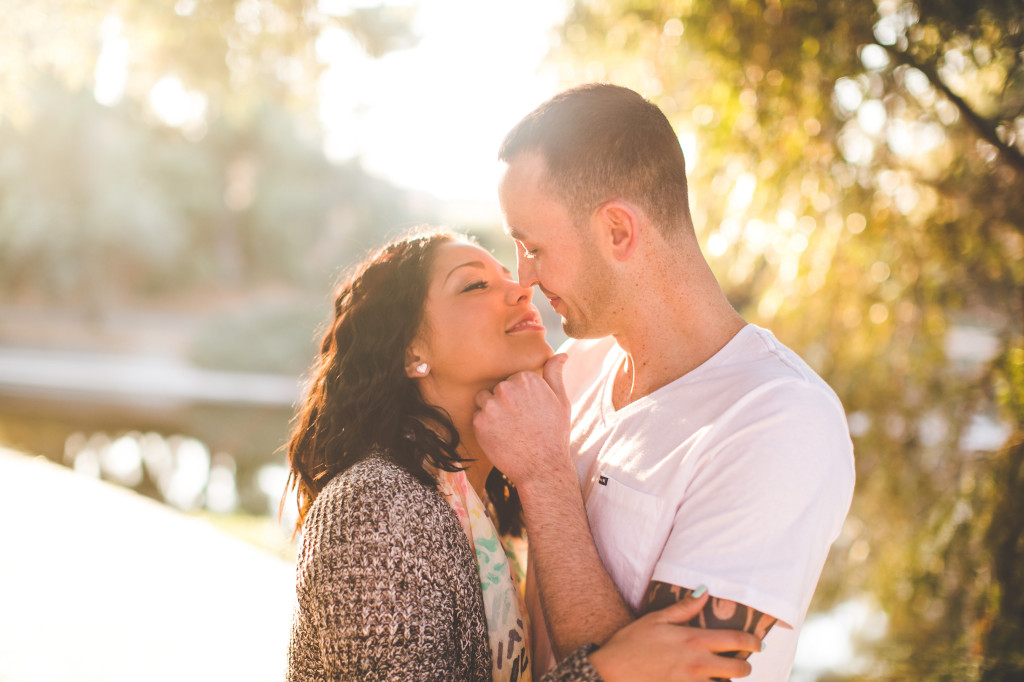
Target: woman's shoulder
374, 513
375, 475
375, 495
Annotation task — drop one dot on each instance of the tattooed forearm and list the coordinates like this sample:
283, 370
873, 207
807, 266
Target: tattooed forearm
718, 614
660, 595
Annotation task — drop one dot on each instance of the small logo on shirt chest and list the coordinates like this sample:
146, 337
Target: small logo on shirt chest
603, 480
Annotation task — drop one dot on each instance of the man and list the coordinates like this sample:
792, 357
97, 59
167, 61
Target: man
707, 452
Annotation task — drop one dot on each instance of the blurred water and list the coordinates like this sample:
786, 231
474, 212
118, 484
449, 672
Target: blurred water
177, 470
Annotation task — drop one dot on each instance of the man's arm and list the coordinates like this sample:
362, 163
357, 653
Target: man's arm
582, 604
717, 614
524, 428
579, 600
659, 647
541, 654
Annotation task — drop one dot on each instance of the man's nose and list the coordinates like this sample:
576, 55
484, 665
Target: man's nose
526, 271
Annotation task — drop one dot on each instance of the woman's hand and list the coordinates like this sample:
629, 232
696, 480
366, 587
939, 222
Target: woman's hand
657, 647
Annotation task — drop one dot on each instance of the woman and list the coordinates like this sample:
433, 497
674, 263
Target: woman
401, 573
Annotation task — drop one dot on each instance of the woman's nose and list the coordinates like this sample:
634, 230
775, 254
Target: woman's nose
518, 293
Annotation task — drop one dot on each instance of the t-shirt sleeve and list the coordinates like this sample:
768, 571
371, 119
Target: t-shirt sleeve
764, 506
373, 581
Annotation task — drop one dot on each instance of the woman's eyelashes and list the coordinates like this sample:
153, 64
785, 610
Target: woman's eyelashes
475, 284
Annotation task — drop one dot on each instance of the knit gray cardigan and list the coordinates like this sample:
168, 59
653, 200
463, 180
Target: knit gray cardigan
387, 587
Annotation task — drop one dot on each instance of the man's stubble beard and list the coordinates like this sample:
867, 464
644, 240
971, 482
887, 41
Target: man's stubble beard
598, 284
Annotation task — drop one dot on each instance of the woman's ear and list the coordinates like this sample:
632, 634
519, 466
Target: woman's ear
618, 226
415, 366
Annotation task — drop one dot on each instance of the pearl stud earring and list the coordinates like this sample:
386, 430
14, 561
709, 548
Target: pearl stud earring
422, 368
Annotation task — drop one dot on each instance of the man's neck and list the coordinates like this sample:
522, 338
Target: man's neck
670, 334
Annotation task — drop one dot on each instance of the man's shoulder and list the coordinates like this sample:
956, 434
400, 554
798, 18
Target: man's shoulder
755, 361
789, 416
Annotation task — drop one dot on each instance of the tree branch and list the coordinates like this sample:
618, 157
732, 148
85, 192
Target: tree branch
982, 126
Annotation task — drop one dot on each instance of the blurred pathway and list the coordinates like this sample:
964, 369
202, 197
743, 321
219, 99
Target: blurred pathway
100, 584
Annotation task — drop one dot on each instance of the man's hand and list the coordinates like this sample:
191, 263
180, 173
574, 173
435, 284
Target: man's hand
659, 647
523, 425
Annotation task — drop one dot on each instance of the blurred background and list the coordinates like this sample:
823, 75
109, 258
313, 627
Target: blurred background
182, 182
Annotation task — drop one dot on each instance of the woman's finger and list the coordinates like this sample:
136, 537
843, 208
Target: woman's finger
684, 610
720, 667
724, 641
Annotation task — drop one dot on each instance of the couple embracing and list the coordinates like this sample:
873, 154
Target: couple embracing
678, 473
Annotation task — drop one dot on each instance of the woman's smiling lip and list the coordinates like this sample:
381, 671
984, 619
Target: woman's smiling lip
528, 322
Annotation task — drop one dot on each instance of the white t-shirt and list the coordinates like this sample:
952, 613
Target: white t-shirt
737, 476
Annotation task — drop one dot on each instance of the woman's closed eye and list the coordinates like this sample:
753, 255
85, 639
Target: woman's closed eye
475, 284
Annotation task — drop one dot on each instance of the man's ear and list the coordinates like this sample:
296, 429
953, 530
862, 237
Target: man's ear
618, 229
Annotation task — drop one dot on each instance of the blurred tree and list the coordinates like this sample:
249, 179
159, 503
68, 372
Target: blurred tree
235, 53
97, 203
857, 172
148, 147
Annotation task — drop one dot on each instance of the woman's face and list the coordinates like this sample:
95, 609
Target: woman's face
479, 325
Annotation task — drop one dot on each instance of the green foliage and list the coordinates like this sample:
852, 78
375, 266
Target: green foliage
855, 174
97, 202
238, 53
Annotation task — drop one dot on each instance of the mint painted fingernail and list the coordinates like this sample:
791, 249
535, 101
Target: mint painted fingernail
764, 645
699, 592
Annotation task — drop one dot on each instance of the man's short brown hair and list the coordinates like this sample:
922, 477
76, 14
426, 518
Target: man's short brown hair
601, 142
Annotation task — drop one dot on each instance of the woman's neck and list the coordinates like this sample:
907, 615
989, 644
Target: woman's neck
460, 406
478, 467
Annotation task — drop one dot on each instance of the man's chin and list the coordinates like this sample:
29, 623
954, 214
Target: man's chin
575, 330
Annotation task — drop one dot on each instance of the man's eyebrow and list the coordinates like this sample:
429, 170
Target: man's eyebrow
470, 264
514, 233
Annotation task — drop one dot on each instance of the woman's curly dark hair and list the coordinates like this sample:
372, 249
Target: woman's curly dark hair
359, 398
